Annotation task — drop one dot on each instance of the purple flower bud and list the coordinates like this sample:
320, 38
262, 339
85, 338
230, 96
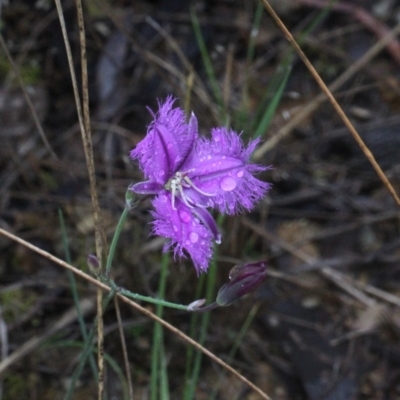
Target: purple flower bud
93, 264
243, 279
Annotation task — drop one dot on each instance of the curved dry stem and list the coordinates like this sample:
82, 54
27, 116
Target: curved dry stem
137, 307
333, 101
313, 105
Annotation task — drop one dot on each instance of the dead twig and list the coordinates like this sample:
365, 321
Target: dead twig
318, 100
84, 123
137, 307
334, 103
124, 349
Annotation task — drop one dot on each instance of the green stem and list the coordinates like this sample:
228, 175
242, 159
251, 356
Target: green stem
158, 370
147, 299
115, 239
74, 290
87, 351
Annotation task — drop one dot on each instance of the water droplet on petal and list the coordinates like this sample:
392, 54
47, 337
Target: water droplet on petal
227, 184
184, 216
208, 157
161, 173
194, 237
175, 228
240, 173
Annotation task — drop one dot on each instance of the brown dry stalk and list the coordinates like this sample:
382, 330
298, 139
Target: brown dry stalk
137, 307
85, 136
98, 228
333, 101
313, 105
84, 123
124, 348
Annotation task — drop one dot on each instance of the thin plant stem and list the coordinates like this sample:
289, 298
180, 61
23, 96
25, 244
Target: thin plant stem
190, 350
113, 364
88, 349
88, 144
278, 84
115, 239
157, 353
236, 344
279, 87
368, 154
147, 299
243, 113
207, 61
124, 348
204, 324
131, 304
74, 290
84, 123
205, 320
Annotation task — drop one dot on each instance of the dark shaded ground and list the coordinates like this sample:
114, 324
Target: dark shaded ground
327, 320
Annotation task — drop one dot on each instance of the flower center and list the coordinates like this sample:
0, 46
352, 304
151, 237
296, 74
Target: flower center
176, 184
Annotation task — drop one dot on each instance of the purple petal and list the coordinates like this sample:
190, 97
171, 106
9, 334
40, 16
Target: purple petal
147, 187
243, 279
186, 232
207, 219
166, 145
220, 167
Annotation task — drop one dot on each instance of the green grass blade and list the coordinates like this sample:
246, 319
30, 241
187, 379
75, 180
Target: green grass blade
158, 379
204, 324
277, 86
74, 290
254, 32
236, 344
208, 65
194, 321
110, 360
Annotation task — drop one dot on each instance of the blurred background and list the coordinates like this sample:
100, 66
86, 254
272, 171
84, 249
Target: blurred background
325, 324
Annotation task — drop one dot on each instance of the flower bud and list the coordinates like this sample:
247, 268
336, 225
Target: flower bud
93, 264
243, 279
129, 200
196, 305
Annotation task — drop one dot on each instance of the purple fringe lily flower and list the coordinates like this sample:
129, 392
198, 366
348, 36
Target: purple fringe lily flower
188, 174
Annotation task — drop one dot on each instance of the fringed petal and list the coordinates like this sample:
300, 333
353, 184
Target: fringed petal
186, 232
